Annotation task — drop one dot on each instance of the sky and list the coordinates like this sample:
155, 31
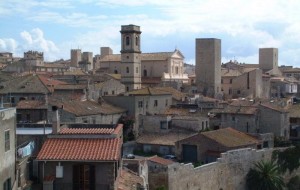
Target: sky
57, 26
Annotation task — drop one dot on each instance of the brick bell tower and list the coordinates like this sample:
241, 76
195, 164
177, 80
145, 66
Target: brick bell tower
131, 56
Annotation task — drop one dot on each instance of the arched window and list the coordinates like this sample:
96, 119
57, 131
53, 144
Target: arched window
145, 72
127, 40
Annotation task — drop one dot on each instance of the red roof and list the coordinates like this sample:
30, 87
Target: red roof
161, 160
95, 131
31, 104
80, 149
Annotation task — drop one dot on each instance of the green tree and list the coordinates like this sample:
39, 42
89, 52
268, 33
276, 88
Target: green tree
264, 176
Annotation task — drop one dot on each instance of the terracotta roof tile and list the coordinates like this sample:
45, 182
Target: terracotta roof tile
87, 131
50, 82
245, 110
161, 160
24, 84
168, 139
31, 104
70, 87
176, 94
80, 149
148, 91
84, 108
128, 179
230, 137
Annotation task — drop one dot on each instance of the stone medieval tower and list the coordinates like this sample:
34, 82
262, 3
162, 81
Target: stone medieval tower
208, 66
131, 57
75, 57
268, 59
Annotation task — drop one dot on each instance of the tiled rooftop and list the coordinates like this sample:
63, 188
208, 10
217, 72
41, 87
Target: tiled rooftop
70, 87
177, 95
161, 160
128, 180
24, 84
84, 108
246, 110
148, 91
31, 104
80, 149
167, 139
230, 137
87, 131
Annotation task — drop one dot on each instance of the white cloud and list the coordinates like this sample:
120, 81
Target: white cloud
71, 19
27, 37
236, 20
33, 40
8, 45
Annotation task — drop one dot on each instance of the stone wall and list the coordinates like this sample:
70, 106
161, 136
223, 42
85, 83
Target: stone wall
228, 173
248, 84
274, 121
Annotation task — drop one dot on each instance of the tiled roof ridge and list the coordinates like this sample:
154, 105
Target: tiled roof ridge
87, 131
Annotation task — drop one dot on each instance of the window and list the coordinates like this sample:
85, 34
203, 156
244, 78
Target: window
163, 125
116, 71
230, 81
248, 80
229, 91
202, 125
265, 144
221, 81
136, 40
140, 104
105, 93
155, 103
127, 88
127, 41
12, 100
136, 70
145, 72
7, 141
94, 120
127, 69
176, 70
206, 124
84, 120
166, 102
233, 118
238, 92
113, 92
7, 184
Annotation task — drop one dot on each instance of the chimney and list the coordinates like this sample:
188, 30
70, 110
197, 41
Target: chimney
55, 120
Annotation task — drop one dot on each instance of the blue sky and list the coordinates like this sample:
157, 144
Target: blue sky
56, 26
